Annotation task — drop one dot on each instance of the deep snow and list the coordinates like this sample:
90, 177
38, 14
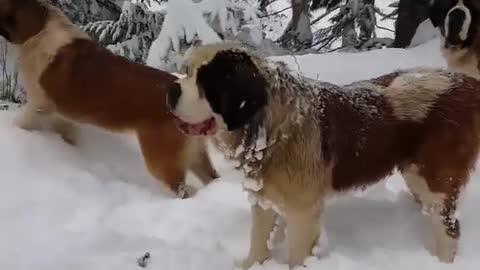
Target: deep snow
95, 207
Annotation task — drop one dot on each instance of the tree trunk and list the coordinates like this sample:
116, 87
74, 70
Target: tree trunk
411, 13
298, 33
367, 20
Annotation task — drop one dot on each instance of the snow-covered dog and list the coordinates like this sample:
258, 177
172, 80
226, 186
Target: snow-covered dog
302, 141
69, 77
459, 22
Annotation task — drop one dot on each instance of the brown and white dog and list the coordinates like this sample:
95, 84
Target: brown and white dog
68, 77
302, 141
459, 23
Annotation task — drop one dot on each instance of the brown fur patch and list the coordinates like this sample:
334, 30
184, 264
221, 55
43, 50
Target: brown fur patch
135, 97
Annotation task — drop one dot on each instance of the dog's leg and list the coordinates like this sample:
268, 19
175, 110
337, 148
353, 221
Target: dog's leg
65, 128
441, 206
32, 117
303, 231
164, 151
446, 227
263, 222
36, 117
202, 165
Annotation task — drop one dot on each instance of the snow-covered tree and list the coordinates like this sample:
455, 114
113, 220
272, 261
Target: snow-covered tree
354, 23
85, 11
190, 22
132, 34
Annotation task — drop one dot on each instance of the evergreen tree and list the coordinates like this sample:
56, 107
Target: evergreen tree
354, 24
85, 11
190, 22
131, 35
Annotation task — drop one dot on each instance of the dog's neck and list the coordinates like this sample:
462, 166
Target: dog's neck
288, 105
465, 60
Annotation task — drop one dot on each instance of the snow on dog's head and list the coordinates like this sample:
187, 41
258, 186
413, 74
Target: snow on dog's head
461, 24
223, 90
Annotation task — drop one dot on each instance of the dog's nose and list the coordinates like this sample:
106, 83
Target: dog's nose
173, 95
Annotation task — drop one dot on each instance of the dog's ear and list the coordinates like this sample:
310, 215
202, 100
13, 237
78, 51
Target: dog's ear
460, 25
233, 86
21, 19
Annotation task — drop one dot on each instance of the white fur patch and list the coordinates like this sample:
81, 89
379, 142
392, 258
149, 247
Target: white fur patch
191, 108
411, 95
253, 185
466, 23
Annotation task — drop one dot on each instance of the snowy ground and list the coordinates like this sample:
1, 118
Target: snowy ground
94, 206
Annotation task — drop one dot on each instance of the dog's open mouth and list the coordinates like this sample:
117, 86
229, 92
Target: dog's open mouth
205, 128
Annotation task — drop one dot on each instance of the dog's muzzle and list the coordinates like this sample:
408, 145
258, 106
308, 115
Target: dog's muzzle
173, 95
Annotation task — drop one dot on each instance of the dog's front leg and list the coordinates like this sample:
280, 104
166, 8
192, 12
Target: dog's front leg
65, 128
263, 222
303, 231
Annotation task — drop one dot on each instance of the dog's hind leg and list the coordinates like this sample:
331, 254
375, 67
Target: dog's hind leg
201, 164
32, 117
441, 206
36, 117
65, 128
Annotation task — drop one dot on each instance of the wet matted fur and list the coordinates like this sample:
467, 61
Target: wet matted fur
68, 77
459, 22
301, 141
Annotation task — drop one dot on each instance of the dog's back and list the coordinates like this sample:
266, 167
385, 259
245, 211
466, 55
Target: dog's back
105, 89
386, 121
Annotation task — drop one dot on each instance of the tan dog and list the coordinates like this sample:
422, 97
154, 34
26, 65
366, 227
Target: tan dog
302, 141
68, 77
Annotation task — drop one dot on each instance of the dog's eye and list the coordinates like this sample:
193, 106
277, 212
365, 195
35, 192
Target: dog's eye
242, 104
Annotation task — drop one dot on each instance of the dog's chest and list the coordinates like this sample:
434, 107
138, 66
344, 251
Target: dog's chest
247, 157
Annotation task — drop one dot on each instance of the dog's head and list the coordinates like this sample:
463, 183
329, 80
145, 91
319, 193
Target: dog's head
21, 19
223, 90
458, 21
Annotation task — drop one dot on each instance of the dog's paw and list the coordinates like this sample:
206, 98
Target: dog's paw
186, 191
28, 120
244, 264
66, 129
69, 136
321, 248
